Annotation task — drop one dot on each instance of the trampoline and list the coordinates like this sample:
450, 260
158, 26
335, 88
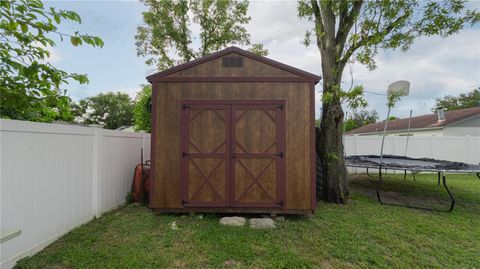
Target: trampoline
414, 165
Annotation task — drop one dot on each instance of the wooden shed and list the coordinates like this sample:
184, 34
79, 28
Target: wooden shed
233, 132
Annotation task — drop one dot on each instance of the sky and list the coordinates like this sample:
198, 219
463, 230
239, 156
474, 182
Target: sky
434, 66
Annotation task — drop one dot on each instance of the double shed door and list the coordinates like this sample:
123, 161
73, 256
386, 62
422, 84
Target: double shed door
232, 153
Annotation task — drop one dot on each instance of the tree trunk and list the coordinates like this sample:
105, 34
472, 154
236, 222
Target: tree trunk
330, 148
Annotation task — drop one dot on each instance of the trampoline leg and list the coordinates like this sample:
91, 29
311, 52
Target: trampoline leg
439, 178
452, 197
414, 177
404, 174
379, 185
478, 175
368, 173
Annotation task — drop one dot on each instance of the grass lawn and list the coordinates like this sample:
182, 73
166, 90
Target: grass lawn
359, 234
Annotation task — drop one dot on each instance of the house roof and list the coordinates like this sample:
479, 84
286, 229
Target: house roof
419, 122
239, 51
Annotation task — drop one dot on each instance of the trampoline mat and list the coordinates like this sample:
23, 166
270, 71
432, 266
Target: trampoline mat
407, 163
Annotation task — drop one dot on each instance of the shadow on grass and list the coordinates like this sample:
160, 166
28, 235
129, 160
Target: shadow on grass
422, 192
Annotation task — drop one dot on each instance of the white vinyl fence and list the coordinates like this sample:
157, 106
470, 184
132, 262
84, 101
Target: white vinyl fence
55, 177
451, 148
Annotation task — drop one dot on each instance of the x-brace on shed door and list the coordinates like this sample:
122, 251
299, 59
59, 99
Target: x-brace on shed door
233, 153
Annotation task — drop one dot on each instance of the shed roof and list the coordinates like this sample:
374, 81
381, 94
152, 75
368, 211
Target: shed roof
419, 122
293, 70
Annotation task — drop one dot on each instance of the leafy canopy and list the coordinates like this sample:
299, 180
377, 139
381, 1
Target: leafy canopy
142, 115
359, 118
464, 100
111, 110
167, 37
30, 87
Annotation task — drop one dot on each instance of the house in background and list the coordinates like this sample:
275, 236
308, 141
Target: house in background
451, 123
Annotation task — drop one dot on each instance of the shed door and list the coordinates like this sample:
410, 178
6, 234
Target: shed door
258, 155
205, 164
233, 155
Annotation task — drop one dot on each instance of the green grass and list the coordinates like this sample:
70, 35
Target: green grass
360, 234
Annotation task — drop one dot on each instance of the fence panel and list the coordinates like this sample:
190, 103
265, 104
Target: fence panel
55, 177
451, 148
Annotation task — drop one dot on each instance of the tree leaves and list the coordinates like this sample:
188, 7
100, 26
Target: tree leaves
111, 110
464, 100
75, 40
142, 114
30, 87
165, 38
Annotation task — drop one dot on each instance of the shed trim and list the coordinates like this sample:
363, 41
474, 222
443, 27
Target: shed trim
232, 79
306, 75
153, 144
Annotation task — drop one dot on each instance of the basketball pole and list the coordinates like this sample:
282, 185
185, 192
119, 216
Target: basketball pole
383, 136
408, 133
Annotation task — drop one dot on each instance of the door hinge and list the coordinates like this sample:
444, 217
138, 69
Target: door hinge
280, 203
184, 202
185, 154
280, 107
280, 154
185, 107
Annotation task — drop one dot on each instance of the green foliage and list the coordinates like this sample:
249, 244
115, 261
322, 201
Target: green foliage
393, 97
30, 87
129, 198
258, 49
391, 118
464, 100
360, 118
332, 156
111, 110
353, 98
166, 37
142, 114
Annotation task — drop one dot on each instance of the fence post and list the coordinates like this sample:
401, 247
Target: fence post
95, 172
144, 138
355, 150
470, 157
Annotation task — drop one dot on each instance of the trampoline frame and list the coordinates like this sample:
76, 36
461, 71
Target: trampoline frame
441, 174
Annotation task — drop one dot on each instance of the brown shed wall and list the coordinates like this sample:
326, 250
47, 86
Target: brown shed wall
299, 140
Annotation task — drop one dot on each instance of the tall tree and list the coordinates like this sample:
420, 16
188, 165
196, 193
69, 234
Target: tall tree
359, 118
464, 100
349, 30
111, 110
167, 38
142, 114
30, 87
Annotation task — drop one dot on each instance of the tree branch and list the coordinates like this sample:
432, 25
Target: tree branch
347, 19
365, 40
320, 30
328, 19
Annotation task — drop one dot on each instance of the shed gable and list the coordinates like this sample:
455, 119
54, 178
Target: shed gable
236, 64
233, 65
